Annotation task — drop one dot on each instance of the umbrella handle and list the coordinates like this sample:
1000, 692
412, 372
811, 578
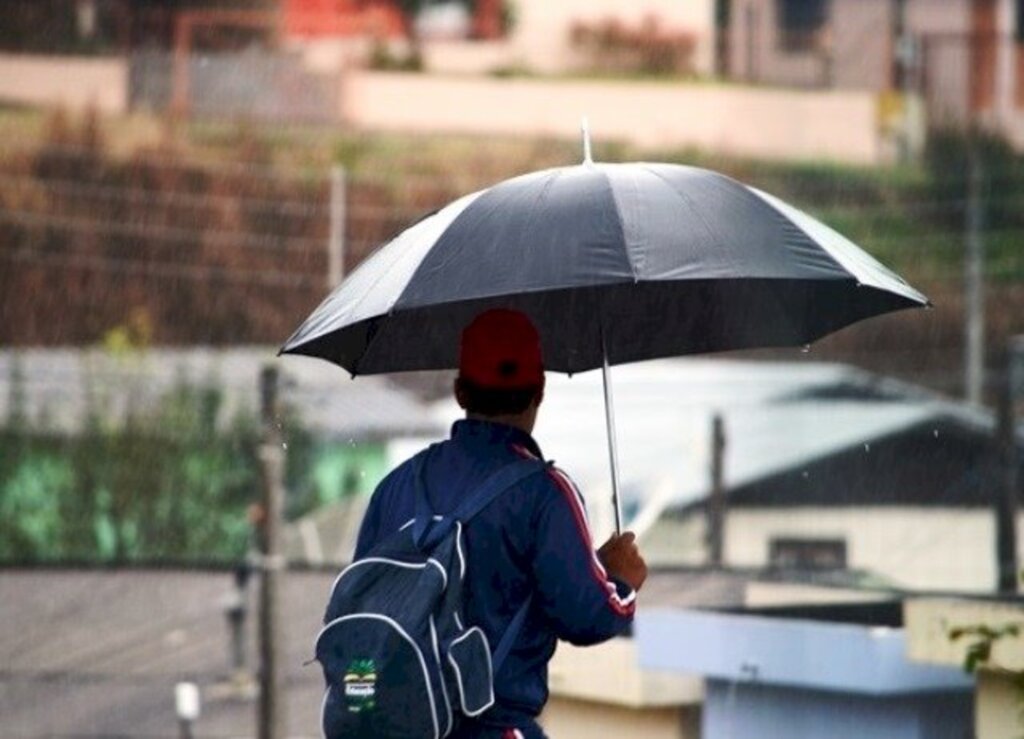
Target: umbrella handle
609, 417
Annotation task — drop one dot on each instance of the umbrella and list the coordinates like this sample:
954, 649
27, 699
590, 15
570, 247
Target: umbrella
614, 263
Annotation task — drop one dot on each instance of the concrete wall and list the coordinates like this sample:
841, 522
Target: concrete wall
856, 46
861, 51
790, 124
997, 706
74, 82
570, 718
756, 54
768, 712
938, 16
851, 52
601, 691
939, 549
997, 700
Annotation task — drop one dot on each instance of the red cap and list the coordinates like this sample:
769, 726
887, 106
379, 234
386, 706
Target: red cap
500, 349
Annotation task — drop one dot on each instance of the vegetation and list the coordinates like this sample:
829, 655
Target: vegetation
162, 485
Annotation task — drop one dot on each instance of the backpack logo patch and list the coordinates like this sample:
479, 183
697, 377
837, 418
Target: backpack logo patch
360, 685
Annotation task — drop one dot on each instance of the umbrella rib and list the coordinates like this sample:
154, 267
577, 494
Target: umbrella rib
405, 253
622, 227
689, 204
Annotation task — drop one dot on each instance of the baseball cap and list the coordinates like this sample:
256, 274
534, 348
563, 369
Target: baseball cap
500, 349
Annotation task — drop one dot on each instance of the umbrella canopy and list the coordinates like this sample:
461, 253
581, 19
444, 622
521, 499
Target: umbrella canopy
612, 262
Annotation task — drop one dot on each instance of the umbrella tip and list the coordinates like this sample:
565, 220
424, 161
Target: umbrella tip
585, 131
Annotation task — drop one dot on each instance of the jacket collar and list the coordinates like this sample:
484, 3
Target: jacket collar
489, 433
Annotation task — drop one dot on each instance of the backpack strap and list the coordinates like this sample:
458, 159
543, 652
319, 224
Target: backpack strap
500, 481
424, 533
509, 637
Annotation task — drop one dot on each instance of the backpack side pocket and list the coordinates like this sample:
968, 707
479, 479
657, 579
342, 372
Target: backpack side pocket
470, 658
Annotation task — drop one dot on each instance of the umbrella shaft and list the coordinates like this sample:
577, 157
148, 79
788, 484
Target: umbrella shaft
613, 454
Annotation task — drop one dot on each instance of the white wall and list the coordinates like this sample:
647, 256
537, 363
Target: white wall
839, 126
73, 82
927, 549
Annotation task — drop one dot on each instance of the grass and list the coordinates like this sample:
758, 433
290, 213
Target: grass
910, 217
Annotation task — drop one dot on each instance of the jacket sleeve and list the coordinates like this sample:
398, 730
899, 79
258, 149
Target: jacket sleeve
584, 605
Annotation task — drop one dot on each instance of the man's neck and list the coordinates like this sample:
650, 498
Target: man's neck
516, 420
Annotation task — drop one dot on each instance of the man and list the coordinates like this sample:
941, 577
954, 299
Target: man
533, 540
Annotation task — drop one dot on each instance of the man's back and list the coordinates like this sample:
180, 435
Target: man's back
532, 541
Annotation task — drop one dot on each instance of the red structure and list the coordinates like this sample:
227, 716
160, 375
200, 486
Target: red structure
487, 20
332, 18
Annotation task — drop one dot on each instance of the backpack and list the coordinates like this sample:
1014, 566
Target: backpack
397, 656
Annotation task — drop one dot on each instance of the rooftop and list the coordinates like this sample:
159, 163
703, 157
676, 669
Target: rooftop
60, 387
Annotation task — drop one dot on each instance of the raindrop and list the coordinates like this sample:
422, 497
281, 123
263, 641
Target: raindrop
806, 348
284, 445
806, 474
362, 473
867, 448
935, 433
928, 306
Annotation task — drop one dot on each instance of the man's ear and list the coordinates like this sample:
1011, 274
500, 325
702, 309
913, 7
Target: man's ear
460, 394
539, 397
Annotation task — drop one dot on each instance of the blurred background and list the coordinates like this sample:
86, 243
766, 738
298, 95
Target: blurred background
833, 531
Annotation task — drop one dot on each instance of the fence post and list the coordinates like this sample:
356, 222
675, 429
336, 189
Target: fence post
336, 238
271, 724
716, 501
974, 278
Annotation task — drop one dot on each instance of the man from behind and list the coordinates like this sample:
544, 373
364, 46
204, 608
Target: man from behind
532, 544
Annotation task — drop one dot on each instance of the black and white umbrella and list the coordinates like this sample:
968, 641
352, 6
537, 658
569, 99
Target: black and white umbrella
614, 263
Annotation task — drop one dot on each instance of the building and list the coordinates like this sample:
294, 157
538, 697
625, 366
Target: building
823, 465
355, 423
107, 646
964, 58
540, 35
807, 671
155, 450
932, 625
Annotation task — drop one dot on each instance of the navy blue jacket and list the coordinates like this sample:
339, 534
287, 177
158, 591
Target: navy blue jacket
533, 539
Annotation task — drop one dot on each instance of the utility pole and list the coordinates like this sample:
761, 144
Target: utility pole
974, 277
271, 720
1011, 391
905, 80
336, 237
716, 501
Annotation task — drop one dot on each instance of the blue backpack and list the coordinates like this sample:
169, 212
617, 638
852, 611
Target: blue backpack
397, 656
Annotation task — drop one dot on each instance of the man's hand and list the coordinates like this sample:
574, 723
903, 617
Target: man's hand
621, 558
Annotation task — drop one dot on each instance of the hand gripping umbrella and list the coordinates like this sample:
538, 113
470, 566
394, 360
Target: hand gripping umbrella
613, 263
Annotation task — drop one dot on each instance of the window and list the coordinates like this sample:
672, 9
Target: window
807, 554
800, 22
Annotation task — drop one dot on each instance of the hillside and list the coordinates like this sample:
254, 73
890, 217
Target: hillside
217, 234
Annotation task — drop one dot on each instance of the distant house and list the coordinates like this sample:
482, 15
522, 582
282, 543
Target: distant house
965, 57
540, 34
64, 402
313, 19
823, 465
354, 422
